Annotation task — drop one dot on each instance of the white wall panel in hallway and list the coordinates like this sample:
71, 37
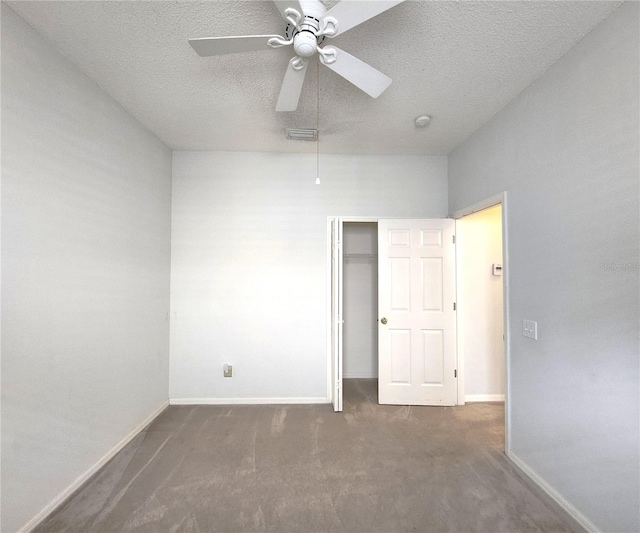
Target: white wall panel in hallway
480, 305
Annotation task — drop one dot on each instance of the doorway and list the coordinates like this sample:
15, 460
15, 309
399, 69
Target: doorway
417, 336
483, 296
360, 254
480, 306
335, 321
360, 307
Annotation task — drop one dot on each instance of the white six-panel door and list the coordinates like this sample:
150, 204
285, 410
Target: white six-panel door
416, 296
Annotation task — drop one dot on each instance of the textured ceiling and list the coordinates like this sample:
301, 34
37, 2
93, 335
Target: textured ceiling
459, 61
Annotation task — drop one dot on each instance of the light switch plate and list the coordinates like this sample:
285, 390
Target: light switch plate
530, 329
227, 371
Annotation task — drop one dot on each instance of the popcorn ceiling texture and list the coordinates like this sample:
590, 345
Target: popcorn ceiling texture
458, 61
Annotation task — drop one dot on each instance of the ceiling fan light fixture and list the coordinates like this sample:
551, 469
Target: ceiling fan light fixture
302, 134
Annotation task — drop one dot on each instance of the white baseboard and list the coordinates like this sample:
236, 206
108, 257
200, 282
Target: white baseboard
60, 498
248, 401
573, 513
360, 375
469, 398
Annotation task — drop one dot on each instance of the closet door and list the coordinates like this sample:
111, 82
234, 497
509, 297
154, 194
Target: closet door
336, 312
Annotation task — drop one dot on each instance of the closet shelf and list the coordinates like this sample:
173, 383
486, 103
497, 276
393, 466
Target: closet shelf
360, 256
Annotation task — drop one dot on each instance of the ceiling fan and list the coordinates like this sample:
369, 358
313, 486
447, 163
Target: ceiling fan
308, 24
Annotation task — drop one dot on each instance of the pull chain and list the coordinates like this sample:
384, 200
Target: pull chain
318, 123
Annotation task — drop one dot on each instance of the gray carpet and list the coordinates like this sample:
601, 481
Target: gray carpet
305, 468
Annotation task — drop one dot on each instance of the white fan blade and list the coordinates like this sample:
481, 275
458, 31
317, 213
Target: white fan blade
350, 13
282, 5
363, 76
213, 46
292, 85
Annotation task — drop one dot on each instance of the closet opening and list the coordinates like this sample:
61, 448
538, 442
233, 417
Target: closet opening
360, 311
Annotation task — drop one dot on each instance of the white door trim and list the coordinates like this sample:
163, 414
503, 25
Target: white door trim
498, 199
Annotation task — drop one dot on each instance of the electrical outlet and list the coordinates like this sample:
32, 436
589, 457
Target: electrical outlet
227, 371
530, 329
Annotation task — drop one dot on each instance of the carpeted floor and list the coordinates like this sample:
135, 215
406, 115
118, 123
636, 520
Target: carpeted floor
305, 468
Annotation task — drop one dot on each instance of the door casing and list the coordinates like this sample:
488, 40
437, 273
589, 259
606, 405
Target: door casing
330, 318
331, 369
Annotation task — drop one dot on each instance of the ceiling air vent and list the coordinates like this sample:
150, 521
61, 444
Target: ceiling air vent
301, 134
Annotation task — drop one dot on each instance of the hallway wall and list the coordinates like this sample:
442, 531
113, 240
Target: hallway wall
480, 305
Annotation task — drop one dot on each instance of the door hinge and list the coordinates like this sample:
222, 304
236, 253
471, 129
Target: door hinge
453, 239
455, 373
454, 306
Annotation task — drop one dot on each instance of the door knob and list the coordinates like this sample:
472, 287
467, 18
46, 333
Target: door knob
383, 320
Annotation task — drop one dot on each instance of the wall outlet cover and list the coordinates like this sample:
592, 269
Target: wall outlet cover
530, 329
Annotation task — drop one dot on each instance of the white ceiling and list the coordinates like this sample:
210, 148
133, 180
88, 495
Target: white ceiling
459, 61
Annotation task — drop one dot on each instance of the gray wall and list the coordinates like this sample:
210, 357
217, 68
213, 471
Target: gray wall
85, 273
249, 262
566, 150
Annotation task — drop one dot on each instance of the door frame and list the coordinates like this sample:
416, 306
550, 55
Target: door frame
329, 293
498, 199
329, 296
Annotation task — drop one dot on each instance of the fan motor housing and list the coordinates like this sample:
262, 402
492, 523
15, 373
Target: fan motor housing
291, 31
305, 43
305, 37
